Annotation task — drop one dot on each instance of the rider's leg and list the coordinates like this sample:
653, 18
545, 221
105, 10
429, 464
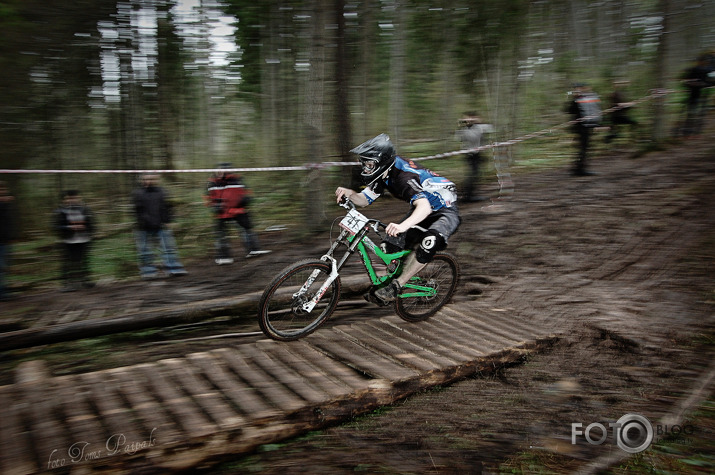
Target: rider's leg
432, 241
441, 225
392, 290
412, 267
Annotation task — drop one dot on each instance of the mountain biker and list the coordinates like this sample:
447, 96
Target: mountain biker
432, 198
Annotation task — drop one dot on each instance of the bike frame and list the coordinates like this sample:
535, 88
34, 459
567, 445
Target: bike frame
362, 243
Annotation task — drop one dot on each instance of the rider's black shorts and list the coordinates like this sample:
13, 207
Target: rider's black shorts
443, 222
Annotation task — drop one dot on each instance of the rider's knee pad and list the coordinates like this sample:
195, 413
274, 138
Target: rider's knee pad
431, 243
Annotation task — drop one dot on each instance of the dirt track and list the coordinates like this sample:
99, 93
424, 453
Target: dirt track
623, 261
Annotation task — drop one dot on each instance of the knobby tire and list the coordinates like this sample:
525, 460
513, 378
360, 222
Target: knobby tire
443, 273
279, 314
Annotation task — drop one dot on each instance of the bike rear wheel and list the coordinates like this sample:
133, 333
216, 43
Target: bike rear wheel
442, 275
281, 315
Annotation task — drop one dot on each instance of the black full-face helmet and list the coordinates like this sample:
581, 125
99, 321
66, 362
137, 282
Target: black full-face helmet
376, 155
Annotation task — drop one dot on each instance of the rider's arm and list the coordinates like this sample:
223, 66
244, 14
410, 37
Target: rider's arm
421, 211
358, 198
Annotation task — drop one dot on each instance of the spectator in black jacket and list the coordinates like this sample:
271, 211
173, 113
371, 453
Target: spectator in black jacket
153, 212
75, 226
8, 233
697, 79
585, 110
620, 116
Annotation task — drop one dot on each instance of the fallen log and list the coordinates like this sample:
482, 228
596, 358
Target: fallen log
160, 317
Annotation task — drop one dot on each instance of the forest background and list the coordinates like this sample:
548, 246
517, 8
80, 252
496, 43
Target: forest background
187, 84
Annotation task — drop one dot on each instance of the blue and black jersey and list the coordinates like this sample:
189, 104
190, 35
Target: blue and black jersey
408, 181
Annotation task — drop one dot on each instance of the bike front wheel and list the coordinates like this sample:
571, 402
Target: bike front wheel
433, 287
282, 313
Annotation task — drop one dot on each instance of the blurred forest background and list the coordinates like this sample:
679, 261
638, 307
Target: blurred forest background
186, 84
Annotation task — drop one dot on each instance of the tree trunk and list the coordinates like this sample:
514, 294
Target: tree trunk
661, 75
397, 71
448, 76
342, 111
314, 97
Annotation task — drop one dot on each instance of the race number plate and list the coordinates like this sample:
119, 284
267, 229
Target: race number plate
353, 221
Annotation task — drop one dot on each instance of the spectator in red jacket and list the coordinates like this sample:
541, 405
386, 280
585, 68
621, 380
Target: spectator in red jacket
229, 198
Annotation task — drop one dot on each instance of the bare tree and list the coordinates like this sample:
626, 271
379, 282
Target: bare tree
314, 101
661, 74
342, 111
397, 68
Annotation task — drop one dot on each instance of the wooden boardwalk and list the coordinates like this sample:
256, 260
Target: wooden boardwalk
178, 413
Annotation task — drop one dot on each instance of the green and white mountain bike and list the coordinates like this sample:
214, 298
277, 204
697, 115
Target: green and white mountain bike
304, 294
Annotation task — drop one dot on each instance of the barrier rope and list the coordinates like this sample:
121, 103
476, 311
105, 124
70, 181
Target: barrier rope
312, 166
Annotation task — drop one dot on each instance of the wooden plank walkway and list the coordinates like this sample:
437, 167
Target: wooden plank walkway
178, 413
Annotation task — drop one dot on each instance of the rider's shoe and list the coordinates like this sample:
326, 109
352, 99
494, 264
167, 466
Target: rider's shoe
370, 297
388, 293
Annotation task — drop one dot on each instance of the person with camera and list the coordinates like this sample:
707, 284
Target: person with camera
470, 132
229, 199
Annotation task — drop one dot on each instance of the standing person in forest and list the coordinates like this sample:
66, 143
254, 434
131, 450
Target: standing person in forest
75, 225
470, 132
8, 233
433, 206
620, 116
153, 212
229, 198
696, 79
585, 110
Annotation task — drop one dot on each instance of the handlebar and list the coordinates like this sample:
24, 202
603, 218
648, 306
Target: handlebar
375, 223
346, 203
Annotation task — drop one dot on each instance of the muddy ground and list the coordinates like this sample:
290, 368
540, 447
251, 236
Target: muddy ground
623, 262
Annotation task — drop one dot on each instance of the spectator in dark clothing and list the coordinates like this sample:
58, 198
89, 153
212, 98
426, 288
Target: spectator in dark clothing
153, 212
75, 226
229, 198
620, 116
470, 132
585, 110
696, 79
8, 233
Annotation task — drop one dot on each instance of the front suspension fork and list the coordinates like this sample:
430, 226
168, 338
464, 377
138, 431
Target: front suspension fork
328, 257
310, 304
